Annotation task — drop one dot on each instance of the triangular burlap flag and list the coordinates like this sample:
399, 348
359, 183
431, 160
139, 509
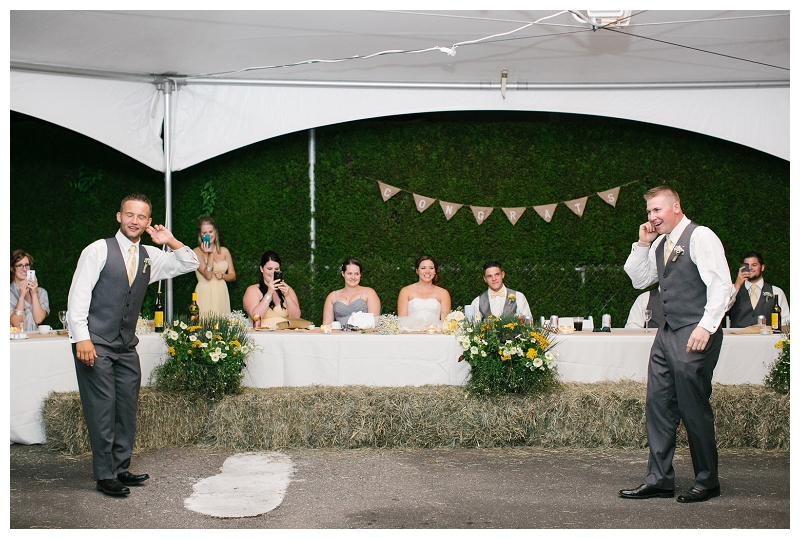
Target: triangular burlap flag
387, 191
449, 208
610, 196
481, 213
422, 203
546, 211
513, 214
577, 205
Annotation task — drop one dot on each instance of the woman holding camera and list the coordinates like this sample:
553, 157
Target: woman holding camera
271, 297
29, 303
216, 269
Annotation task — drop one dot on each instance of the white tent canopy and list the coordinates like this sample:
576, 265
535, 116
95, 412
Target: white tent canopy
721, 73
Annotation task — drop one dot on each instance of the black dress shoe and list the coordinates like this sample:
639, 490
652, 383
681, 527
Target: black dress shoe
646, 491
699, 494
112, 487
129, 479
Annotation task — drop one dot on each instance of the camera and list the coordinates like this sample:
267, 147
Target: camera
278, 275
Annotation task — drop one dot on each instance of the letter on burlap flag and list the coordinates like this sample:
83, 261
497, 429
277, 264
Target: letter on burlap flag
449, 208
422, 202
577, 205
387, 191
546, 211
610, 196
481, 213
513, 214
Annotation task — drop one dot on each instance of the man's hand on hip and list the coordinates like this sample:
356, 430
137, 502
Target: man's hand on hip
697, 340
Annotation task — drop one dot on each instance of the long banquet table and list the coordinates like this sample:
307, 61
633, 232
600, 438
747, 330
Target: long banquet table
42, 364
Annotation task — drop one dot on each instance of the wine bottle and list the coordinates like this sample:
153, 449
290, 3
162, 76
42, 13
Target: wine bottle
776, 316
194, 310
158, 316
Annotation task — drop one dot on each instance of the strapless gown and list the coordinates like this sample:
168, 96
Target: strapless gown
422, 312
212, 296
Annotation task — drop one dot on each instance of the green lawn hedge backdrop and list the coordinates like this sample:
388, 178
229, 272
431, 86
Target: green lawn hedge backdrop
66, 189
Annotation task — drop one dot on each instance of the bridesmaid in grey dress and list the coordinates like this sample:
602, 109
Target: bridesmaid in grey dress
340, 304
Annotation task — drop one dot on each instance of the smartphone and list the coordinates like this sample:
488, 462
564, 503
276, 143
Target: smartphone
746, 268
31, 275
278, 275
206, 241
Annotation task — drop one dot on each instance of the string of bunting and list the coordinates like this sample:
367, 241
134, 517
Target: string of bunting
481, 213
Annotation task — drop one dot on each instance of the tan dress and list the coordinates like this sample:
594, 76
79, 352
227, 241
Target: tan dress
212, 296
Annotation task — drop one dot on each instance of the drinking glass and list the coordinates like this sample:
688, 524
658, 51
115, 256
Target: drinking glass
577, 323
648, 314
62, 315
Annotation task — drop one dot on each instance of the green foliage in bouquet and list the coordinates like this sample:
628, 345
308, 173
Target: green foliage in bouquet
778, 377
507, 356
207, 358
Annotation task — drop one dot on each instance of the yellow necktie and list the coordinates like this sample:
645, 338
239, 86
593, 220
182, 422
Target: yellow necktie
496, 295
753, 295
131, 265
667, 250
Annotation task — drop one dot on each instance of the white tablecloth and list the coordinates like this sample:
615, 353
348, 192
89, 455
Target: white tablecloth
287, 358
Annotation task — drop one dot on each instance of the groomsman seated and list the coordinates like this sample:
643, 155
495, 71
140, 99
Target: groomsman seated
647, 300
756, 296
499, 300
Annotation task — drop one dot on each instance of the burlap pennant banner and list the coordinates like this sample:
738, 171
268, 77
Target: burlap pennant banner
577, 206
610, 196
546, 211
514, 214
423, 203
387, 191
481, 213
449, 208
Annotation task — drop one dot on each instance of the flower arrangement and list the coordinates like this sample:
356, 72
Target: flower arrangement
767, 295
678, 250
507, 356
387, 324
143, 326
511, 298
778, 377
206, 358
452, 321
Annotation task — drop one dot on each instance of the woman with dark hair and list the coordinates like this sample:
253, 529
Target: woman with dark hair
216, 269
29, 303
424, 302
271, 297
340, 304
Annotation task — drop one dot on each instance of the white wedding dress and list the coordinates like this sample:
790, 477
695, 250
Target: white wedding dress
422, 312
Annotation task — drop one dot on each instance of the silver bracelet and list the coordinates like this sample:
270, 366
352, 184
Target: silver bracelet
19, 313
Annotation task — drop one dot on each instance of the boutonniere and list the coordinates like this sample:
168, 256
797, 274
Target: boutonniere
511, 298
768, 295
678, 250
147, 262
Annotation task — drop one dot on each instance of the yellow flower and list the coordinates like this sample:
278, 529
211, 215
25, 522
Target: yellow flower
540, 340
510, 325
197, 344
236, 344
531, 353
505, 358
171, 350
218, 337
189, 352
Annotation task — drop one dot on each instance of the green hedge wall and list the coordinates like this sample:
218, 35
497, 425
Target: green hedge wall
263, 203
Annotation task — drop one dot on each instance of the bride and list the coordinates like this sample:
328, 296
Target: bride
423, 303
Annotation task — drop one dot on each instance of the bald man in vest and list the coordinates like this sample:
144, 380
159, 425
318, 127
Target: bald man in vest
103, 306
688, 262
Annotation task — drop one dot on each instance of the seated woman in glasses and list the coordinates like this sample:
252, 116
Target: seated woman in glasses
29, 303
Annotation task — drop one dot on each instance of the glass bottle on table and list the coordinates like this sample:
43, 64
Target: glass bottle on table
158, 315
194, 310
776, 316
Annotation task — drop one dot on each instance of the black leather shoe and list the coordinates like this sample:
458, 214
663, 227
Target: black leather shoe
112, 487
699, 495
646, 491
129, 479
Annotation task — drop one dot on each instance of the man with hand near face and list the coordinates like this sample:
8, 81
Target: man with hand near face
103, 306
756, 297
688, 261
499, 300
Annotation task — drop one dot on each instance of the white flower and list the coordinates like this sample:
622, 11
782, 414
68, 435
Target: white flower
209, 334
463, 342
459, 316
173, 334
473, 350
549, 356
183, 325
483, 353
192, 338
537, 362
175, 323
203, 345
214, 357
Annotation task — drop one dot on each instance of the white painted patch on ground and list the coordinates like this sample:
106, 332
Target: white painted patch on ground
250, 484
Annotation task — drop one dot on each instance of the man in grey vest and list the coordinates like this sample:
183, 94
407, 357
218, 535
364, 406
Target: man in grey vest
103, 307
756, 297
688, 261
499, 300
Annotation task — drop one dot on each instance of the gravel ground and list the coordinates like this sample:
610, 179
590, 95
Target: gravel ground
422, 488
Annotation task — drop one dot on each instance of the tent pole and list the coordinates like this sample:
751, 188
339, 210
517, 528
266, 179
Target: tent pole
166, 87
312, 159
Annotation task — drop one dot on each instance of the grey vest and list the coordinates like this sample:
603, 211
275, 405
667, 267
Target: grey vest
115, 305
742, 313
683, 292
654, 304
509, 307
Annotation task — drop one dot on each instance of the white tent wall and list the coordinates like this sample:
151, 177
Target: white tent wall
117, 113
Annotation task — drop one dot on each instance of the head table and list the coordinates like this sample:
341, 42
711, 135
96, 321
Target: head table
41, 364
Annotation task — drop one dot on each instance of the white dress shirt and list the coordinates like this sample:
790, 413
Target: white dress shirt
636, 316
163, 265
707, 253
497, 303
760, 286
